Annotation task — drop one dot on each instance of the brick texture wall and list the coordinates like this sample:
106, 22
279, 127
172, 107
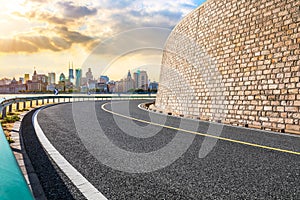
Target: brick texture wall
235, 61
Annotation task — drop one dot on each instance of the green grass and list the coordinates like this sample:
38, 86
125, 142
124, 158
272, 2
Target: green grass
10, 119
10, 140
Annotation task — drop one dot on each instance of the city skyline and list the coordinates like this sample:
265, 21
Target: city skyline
56, 75
75, 81
35, 32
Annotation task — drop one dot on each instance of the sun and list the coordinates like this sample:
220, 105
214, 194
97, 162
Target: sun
13, 6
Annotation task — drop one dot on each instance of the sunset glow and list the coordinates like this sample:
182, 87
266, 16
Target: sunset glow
48, 34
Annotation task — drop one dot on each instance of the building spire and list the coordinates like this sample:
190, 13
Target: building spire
129, 74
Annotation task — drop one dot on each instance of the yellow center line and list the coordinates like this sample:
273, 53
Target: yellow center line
201, 134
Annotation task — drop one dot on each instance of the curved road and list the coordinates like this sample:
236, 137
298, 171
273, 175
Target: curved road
128, 153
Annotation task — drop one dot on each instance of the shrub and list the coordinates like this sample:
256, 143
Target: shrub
10, 140
11, 119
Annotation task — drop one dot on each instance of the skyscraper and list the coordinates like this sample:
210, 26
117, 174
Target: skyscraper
21, 80
78, 73
34, 76
136, 78
71, 73
143, 80
51, 78
62, 77
26, 78
89, 74
104, 79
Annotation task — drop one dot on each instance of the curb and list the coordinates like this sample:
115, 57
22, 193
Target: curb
24, 162
83, 185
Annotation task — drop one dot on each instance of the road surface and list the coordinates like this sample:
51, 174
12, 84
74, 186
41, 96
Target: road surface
142, 155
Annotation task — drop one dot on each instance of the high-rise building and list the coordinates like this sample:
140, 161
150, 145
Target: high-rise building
26, 77
136, 78
126, 84
78, 73
21, 80
153, 86
38, 83
34, 76
89, 74
111, 85
143, 80
42, 78
71, 73
62, 78
51, 78
104, 79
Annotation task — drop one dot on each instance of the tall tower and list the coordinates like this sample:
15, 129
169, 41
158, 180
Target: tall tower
51, 78
78, 73
26, 78
71, 73
143, 80
136, 77
89, 74
128, 75
34, 76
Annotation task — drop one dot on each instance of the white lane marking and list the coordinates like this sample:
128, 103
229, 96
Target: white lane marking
84, 186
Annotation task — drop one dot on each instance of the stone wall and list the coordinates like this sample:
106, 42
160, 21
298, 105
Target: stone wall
235, 61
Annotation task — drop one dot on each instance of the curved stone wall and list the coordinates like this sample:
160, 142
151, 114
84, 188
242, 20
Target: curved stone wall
235, 61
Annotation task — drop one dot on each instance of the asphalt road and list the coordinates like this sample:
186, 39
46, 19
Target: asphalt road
127, 159
54, 182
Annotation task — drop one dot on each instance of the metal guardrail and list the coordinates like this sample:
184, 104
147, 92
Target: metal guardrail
56, 99
12, 182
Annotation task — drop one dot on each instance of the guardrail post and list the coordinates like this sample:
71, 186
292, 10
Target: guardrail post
3, 112
53, 101
58, 100
37, 102
10, 108
43, 101
48, 100
31, 104
18, 106
24, 105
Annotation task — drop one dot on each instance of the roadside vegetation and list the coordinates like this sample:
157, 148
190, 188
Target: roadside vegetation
8, 123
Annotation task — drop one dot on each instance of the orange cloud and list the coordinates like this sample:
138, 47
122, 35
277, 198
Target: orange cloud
15, 45
63, 39
44, 17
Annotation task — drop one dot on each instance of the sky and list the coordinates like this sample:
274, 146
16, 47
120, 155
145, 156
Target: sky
109, 36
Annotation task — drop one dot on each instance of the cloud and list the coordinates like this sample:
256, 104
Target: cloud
54, 20
15, 45
61, 43
133, 40
44, 17
72, 11
37, 1
57, 25
117, 4
41, 42
72, 36
62, 39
